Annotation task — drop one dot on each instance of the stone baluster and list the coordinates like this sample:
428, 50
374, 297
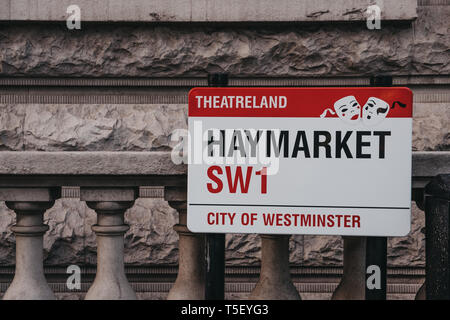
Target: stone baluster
275, 280
352, 285
421, 293
110, 205
190, 282
29, 204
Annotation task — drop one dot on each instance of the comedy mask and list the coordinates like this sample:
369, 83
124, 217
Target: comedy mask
348, 109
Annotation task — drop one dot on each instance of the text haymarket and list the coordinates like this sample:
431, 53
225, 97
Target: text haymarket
298, 144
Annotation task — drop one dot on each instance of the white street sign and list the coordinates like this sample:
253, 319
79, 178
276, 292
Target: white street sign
333, 161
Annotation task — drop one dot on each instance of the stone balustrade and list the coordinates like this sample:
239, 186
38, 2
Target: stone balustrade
30, 182
109, 183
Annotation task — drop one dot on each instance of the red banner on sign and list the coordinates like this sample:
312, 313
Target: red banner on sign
346, 103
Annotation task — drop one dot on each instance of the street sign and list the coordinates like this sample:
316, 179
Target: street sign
333, 161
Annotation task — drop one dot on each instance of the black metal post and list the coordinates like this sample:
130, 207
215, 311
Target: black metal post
215, 242
437, 238
381, 81
376, 247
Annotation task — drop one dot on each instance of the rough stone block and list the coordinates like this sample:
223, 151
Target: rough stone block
291, 51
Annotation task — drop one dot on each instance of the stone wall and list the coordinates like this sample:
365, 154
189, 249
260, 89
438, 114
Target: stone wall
145, 127
259, 49
100, 50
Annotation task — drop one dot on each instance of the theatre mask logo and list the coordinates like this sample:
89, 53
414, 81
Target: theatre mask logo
349, 110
